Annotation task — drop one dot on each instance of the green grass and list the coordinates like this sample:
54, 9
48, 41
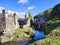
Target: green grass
52, 31
21, 32
51, 39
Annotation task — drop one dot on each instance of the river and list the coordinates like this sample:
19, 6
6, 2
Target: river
38, 35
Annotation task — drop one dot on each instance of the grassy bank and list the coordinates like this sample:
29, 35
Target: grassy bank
52, 31
23, 32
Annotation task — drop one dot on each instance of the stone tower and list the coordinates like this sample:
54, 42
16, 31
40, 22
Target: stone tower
5, 13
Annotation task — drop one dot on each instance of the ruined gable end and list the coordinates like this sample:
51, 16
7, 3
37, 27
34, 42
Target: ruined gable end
5, 13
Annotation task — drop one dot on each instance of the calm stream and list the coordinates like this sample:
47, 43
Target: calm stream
38, 35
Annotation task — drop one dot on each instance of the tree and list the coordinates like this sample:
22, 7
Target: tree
56, 12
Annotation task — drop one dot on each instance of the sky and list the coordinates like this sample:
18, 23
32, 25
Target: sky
20, 7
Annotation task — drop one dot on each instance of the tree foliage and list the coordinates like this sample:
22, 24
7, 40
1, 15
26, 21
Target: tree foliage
51, 14
56, 12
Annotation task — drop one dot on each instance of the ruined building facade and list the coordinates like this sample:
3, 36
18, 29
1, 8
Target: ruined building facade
8, 23
24, 22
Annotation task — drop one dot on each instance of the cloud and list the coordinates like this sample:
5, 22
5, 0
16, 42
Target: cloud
1, 9
10, 12
20, 14
23, 1
31, 7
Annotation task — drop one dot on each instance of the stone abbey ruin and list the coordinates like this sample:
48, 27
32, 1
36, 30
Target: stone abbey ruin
9, 23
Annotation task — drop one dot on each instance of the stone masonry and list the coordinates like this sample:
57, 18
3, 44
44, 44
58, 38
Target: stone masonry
8, 23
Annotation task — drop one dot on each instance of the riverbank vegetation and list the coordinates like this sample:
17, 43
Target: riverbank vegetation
52, 34
51, 30
23, 32
52, 27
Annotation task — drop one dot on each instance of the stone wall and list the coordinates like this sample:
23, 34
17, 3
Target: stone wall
2, 24
8, 23
16, 23
28, 24
10, 27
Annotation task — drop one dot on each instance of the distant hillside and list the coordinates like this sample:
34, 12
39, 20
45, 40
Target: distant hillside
53, 37
52, 27
51, 14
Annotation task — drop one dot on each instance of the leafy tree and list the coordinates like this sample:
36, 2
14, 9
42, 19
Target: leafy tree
56, 12
51, 14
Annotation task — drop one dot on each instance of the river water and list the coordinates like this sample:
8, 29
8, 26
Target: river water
38, 35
